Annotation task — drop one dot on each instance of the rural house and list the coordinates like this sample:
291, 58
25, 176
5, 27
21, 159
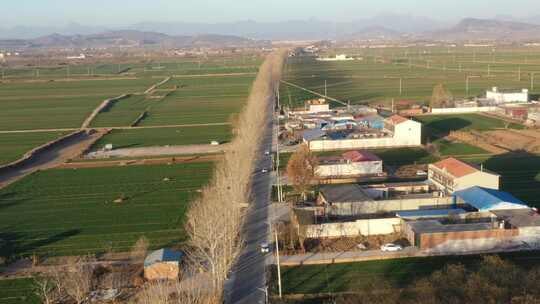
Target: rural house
451, 175
163, 264
350, 164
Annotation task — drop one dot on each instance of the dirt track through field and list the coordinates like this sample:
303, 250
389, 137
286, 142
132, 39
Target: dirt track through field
120, 128
313, 92
50, 158
142, 162
158, 151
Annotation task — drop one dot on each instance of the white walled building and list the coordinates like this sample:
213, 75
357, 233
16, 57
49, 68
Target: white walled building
398, 132
353, 163
507, 97
452, 175
341, 57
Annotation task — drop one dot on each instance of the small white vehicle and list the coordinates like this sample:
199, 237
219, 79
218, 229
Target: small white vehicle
265, 248
390, 247
421, 173
264, 170
266, 152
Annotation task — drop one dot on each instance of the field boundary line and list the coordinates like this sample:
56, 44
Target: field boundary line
215, 75
105, 104
313, 92
118, 128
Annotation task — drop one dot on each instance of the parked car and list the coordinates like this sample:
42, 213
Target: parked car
264, 170
421, 173
265, 248
266, 152
361, 246
391, 247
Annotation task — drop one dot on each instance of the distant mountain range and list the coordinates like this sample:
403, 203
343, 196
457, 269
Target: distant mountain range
471, 29
286, 30
130, 38
385, 27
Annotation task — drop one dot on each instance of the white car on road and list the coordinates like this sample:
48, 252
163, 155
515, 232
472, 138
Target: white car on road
390, 247
265, 248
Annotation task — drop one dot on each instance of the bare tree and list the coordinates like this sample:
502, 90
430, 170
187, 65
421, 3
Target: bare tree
301, 170
441, 97
214, 220
75, 279
45, 288
139, 250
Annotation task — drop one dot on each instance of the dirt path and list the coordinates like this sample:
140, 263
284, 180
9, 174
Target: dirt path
50, 157
314, 93
213, 75
141, 162
119, 128
158, 151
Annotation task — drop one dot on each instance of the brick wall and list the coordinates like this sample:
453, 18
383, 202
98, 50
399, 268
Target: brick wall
430, 240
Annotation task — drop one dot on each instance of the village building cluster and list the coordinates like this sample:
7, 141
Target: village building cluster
451, 207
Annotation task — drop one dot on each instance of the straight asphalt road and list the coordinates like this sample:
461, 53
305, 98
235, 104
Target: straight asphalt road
247, 282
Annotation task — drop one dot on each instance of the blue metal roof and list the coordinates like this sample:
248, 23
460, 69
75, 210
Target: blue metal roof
313, 134
163, 255
430, 213
485, 199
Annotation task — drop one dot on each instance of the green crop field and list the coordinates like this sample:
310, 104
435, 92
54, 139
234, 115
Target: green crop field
67, 211
17, 291
375, 77
320, 279
201, 100
58, 104
444, 124
14, 145
165, 136
122, 112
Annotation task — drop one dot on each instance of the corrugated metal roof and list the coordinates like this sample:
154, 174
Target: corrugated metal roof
345, 193
485, 199
310, 135
429, 213
360, 156
396, 119
163, 255
434, 226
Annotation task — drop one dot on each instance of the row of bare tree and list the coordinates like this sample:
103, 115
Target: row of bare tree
215, 219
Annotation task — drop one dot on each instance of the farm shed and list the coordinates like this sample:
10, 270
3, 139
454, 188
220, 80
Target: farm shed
527, 221
484, 199
354, 200
451, 175
163, 264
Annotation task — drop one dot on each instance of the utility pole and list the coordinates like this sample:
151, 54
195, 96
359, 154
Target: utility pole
325, 89
532, 81
278, 266
467, 83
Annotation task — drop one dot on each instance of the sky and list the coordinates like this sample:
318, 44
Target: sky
125, 12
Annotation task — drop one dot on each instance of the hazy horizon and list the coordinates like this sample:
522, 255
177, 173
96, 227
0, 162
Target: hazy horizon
58, 13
